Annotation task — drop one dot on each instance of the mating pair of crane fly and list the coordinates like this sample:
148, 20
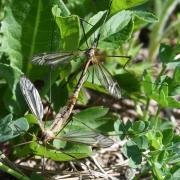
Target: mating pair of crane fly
34, 102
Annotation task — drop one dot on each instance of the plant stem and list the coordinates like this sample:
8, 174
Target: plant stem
157, 32
146, 110
161, 73
12, 172
156, 117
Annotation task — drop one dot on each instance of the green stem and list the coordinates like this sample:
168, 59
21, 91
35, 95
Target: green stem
156, 117
158, 29
146, 110
161, 73
12, 172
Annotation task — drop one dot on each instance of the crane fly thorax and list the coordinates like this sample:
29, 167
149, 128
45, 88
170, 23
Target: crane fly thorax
47, 136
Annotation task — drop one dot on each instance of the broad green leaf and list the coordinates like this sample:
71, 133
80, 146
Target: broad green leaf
117, 39
174, 85
176, 174
35, 176
118, 5
133, 153
64, 9
69, 32
112, 29
91, 113
23, 31
155, 139
10, 98
138, 126
19, 126
173, 103
56, 11
167, 136
84, 8
163, 98
166, 53
141, 141
165, 101
162, 157
145, 16
122, 128
10, 129
147, 84
60, 95
5, 129
94, 118
71, 152
92, 31
128, 81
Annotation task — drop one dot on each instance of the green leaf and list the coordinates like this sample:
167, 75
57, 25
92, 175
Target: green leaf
162, 157
167, 136
10, 98
89, 114
166, 53
141, 141
163, 98
121, 5
117, 39
165, 101
35, 176
58, 89
5, 130
147, 84
64, 9
10, 129
111, 30
176, 174
128, 81
94, 118
145, 16
133, 153
69, 32
24, 34
71, 151
174, 85
122, 129
155, 139
138, 126
173, 103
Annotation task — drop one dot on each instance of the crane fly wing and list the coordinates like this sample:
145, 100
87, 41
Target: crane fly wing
52, 59
105, 78
32, 98
90, 138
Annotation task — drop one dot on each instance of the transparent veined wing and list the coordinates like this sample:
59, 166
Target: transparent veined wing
105, 78
52, 59
90, 138
32, 98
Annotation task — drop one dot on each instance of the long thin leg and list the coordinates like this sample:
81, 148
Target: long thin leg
105, 18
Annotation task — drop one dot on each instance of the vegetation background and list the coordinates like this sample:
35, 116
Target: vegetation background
143, 123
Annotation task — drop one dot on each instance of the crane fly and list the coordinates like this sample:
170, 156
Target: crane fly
34, 102
93, 58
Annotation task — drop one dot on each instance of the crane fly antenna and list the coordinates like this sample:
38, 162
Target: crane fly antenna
84, 33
